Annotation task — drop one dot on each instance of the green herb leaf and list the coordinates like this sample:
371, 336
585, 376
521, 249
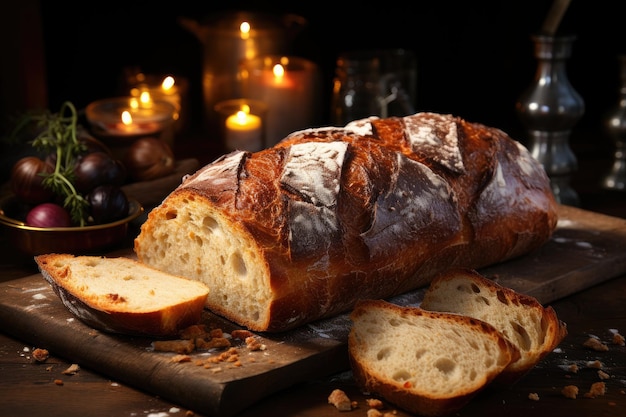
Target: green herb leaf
58, 134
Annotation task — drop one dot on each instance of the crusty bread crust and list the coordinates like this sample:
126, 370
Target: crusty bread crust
427, 363
534, 329
302, 230
121, 295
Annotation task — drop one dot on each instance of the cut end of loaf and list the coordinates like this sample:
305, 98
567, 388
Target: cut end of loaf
192, 240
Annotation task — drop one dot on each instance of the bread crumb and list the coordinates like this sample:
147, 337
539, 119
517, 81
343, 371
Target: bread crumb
595, 364
241, 334
212, 343
533, 396
193, 331
570, 391
618, 339
71, 370
340, 400
595, 344
40, 355
597, 389
573, 368
372, 412
253, 344
374, 403
603, 375
180, 358
176, 346
58, 382
217, 332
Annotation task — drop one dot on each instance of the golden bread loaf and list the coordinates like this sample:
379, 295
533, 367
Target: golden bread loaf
328, 216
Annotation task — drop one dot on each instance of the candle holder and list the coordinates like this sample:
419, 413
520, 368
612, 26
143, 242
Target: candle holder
290, 86
242, 124
615, 126
161, 87
549, 109
119, 121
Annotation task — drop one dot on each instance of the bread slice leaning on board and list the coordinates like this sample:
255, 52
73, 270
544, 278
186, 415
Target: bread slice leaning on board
328, 216
534, 329
428, 363
121, 295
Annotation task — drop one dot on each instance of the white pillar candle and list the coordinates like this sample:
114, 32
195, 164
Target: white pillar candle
290, 86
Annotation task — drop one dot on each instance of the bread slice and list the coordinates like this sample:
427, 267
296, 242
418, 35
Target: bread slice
533, 328
427, 363
121, 295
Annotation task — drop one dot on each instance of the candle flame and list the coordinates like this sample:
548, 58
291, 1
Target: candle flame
133, 103
244, 28
242, 117
168, 83
145, 99
127, 119
279, 71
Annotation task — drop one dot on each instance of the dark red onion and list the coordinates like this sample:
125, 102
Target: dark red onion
48, 215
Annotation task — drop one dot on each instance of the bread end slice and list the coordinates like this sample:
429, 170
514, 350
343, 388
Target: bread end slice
425, 362
121, 295
533, 328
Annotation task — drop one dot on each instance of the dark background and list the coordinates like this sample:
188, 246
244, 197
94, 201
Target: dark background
474, 57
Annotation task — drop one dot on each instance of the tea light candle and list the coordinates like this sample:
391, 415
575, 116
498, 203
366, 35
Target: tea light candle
168, 88
128, 127
244, 131
242, 124
127, 116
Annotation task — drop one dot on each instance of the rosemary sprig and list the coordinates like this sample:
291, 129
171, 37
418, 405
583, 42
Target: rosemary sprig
58, 135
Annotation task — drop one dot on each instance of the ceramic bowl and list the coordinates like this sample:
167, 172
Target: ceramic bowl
76, 240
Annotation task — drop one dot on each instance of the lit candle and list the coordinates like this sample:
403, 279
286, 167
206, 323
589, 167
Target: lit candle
244, 131
168, 88
290, 87
129, 116
244, 30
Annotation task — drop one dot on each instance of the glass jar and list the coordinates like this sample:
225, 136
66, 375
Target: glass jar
356, 88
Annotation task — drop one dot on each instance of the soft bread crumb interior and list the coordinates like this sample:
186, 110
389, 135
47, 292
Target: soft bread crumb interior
525, 327
413, 350
198, 243
143, 290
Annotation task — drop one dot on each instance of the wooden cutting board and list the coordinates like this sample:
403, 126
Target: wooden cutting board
587, 248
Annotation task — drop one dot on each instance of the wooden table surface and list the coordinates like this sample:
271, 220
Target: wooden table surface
28, 388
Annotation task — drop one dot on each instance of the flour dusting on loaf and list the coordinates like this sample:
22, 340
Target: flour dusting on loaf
436, 135
302, 230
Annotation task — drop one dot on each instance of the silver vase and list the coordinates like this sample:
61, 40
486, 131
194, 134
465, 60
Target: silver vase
549, 109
